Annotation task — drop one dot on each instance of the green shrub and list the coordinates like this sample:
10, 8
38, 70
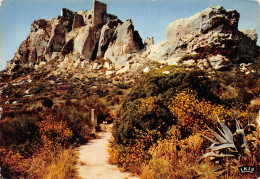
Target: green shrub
18, 131
167, 86
143, 114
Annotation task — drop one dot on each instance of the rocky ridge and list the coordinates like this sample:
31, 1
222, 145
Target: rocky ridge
84, 36
208, 40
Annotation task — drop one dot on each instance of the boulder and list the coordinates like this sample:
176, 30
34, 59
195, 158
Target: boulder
219, 62
146, 70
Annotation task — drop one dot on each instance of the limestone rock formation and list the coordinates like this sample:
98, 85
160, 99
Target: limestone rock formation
125, 41
212, 32
90, 34
209, 40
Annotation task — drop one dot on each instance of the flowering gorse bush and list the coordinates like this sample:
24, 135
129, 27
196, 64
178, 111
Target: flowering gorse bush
172, 154
14, 163
133, 155
194, 115
54, 133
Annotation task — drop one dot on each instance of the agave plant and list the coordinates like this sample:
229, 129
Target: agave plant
235, 144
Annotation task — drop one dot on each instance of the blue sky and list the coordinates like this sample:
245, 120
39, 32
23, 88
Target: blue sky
150, 17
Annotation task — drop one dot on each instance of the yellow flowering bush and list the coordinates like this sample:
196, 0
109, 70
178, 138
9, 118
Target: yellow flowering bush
132, 156
193, 114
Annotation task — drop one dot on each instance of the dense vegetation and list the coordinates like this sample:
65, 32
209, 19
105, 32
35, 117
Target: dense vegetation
158, 133
39, 143
159, 121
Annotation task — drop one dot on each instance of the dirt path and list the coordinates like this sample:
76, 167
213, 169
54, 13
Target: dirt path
94, 158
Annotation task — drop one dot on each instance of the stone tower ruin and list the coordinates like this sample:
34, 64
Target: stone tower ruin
100, 9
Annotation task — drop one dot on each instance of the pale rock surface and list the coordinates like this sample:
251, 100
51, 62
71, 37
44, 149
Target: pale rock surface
146, 70
219, 62
108, 73
106, 36
84, 43
211, 32
123, 70
108, 65
90, 34
125, 41
251, 33
209, 40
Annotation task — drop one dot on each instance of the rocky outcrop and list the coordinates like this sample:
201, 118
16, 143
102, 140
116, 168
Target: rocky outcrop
106, 36
90, 34
209, 40
124, 42
212, 32
85, 41
248, 49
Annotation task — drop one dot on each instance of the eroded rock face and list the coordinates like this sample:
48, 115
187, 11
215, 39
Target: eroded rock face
107, 33
209, 40
91, 35
85, 42
248, 49
125, 41
212, 32
34, 46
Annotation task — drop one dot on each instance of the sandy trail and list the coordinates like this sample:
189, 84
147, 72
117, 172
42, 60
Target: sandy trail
94, 155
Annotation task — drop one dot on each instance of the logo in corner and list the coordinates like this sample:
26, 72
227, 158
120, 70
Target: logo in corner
247, 169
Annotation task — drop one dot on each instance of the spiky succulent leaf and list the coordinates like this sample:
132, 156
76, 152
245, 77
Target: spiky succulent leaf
238, 125
221, 146
234, 143
228, 134
221, 139
213, 154
211, 140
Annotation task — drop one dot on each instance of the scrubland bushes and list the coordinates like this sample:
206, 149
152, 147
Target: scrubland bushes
158, 133
39, 143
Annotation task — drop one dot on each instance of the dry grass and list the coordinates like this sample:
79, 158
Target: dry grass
173, 158
51, 166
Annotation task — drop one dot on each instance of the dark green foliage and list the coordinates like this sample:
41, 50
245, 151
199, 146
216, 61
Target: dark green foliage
210, 87
77, 118
18, 131
167, 86
156, 117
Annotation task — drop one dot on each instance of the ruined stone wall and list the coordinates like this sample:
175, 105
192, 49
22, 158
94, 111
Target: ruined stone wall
100, 9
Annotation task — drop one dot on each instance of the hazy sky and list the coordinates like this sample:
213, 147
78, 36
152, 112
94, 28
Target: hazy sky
150, 17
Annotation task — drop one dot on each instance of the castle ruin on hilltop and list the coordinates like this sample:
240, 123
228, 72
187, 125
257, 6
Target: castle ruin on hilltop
95, 16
